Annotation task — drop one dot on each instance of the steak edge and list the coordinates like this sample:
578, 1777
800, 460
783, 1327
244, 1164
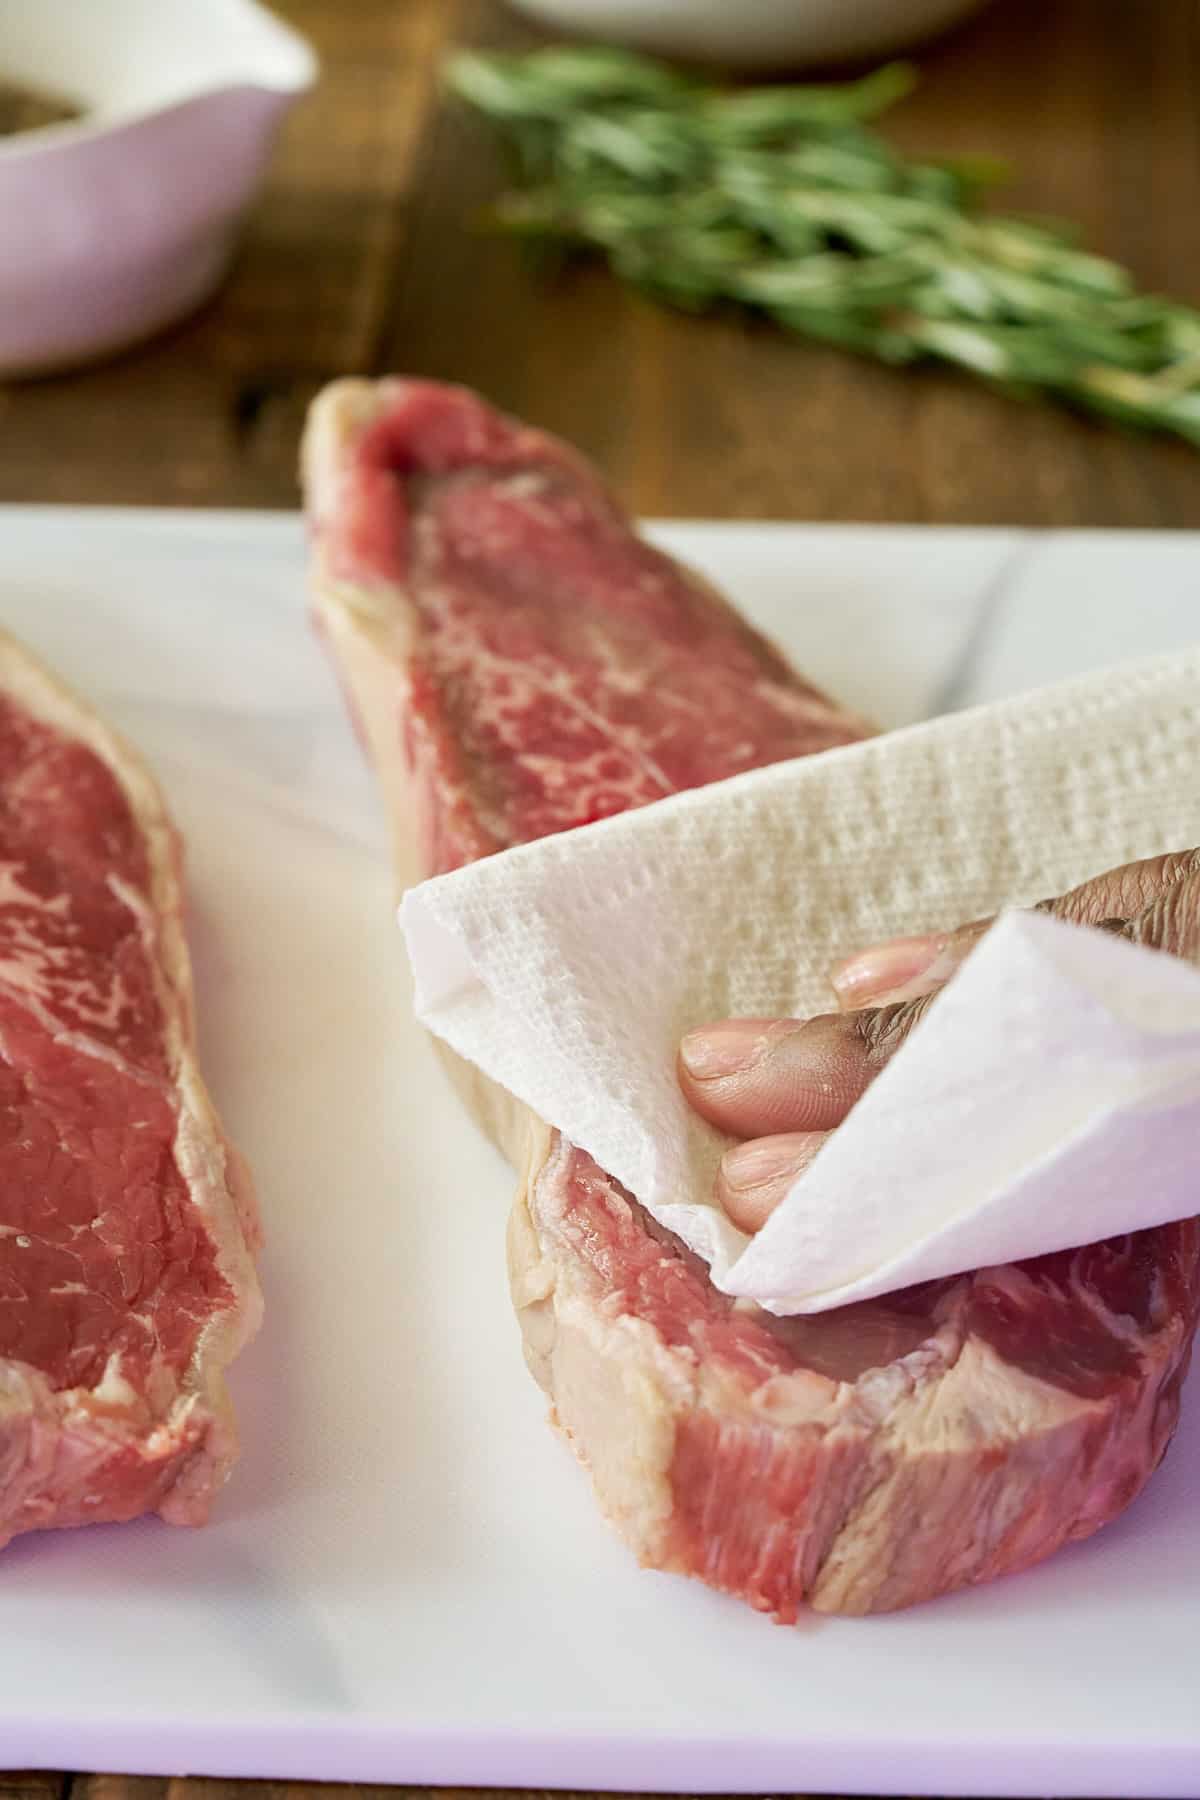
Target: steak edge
127, 1279
517, 660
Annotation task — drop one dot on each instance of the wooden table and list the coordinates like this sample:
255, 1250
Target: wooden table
358, 260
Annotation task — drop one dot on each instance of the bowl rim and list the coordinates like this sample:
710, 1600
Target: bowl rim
65, 134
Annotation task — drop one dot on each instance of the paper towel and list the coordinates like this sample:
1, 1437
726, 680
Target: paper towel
1048, 1097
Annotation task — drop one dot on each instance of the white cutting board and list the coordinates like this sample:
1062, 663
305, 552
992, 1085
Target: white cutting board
407, 1579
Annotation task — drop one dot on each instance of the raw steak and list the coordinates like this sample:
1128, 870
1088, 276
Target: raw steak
520, 662
126, 1277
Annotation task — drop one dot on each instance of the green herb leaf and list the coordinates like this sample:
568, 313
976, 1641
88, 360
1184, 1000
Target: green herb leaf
782, 200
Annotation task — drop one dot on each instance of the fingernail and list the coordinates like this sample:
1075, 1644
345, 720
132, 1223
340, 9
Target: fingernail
887, 971
753, 1165
724, 1049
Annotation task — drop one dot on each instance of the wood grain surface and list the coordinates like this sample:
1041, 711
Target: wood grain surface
361, 257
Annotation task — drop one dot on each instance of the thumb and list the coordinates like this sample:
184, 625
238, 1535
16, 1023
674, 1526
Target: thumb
1171, 922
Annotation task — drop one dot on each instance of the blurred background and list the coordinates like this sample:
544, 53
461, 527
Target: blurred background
363, 254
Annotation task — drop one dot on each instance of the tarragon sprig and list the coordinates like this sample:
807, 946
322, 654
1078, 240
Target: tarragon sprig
783, 199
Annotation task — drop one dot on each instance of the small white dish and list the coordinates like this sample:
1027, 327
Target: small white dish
753, 34
120, 221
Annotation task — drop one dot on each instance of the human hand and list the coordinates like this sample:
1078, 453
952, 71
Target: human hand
782, 1085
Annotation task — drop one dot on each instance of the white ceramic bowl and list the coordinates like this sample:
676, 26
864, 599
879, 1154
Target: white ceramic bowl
121, 221
753, 34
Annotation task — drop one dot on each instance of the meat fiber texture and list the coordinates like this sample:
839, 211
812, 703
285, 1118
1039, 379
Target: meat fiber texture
126, 1247
519, 662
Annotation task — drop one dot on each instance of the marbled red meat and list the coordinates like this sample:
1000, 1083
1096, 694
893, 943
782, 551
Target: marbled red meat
562, 668
125, 1276
520, 662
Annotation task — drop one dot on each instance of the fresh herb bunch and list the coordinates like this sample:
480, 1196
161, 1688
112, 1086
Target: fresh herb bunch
784, 200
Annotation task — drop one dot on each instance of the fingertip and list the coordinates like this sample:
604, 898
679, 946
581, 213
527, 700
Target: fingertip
901, 969
756, 1176
806, 1078
726, 1047
748, 1211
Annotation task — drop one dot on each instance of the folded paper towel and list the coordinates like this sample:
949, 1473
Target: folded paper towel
1047, 1099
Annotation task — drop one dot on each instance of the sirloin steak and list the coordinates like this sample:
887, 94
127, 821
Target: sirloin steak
127, 1222
520, 662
